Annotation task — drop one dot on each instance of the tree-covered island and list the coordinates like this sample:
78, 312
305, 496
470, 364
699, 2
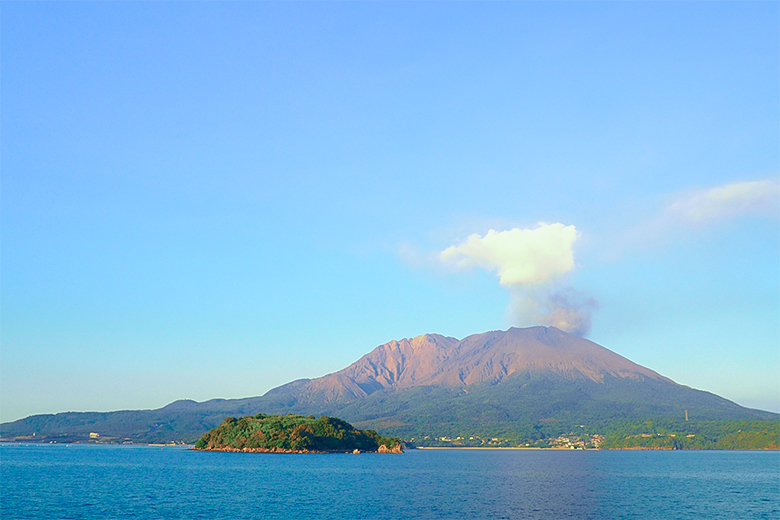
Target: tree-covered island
294, 434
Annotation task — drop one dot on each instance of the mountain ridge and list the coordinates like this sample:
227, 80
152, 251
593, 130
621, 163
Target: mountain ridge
433, 359
519, 380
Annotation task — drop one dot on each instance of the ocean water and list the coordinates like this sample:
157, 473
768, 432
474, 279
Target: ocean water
118, 482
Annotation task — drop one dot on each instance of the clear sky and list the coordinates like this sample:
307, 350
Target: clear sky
207, 200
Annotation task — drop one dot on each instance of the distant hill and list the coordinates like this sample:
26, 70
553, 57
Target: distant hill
519, 383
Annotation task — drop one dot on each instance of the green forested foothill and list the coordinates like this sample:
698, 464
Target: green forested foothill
292, 433
694, 435
535, 408
613, 434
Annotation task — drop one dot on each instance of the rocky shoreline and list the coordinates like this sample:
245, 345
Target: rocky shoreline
228, 449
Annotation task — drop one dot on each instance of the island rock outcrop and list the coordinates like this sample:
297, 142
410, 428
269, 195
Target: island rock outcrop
291, 433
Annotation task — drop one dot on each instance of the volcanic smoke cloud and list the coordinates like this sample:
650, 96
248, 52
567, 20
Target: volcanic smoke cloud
564, 308
529, 262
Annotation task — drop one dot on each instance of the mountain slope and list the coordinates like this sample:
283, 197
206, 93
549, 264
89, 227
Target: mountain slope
434, 360
516, 382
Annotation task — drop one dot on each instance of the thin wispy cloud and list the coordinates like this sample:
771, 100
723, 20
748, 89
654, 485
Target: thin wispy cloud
685, 215
730, 200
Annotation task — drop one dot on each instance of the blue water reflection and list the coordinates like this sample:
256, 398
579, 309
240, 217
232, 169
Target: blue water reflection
98, 482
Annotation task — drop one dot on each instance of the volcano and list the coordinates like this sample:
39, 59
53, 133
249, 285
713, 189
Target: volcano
508, 382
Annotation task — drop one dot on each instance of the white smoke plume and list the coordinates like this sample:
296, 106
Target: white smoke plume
519, 256
564, 308
530, 262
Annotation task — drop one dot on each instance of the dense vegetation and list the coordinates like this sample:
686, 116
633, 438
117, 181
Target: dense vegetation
291, 433
662, 434
694, 435
533, 410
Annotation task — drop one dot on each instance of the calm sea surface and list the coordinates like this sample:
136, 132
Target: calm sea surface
100, 482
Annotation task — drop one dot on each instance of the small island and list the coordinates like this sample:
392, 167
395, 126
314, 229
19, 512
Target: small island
294, 434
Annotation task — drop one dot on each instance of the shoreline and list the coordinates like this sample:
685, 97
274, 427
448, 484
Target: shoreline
588, 449
191, 447
281, 451
532, 448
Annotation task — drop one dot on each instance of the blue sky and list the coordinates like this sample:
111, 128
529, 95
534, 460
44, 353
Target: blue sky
212, 199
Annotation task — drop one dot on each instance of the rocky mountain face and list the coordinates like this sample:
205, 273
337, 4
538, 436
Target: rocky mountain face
489, 358
504, 381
